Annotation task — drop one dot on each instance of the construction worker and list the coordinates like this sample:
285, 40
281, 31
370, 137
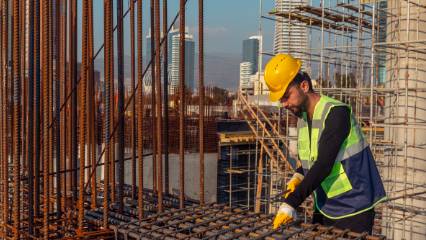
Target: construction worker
337, 163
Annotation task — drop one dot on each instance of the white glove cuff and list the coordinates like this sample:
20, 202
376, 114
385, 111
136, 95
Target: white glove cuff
298, 176
289, 210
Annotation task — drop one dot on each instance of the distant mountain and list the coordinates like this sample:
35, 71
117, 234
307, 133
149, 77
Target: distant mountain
220, 69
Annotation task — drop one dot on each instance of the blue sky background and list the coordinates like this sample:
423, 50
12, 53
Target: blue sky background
227, 23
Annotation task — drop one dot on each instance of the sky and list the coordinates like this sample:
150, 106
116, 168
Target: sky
226, 23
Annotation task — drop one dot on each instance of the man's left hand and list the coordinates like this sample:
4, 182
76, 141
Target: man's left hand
285, 214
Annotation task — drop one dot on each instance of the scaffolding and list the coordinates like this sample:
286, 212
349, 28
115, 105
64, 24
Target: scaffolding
371, 55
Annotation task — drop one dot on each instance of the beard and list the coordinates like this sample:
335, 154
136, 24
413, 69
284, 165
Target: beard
296, 111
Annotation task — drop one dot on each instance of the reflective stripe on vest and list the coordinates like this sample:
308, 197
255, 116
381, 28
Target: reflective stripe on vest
337, 183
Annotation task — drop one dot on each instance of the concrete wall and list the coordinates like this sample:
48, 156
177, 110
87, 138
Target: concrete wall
192, 175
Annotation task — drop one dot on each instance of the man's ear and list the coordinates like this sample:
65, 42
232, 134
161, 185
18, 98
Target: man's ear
304, 85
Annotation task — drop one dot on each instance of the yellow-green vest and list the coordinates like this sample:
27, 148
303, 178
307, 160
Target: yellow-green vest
354, 185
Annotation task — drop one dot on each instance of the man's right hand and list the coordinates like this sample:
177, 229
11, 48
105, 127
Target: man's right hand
293, 183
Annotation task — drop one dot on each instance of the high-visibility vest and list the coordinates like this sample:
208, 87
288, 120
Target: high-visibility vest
354, 184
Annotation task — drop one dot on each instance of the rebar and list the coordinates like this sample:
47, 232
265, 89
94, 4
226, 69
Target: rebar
108, 38
16, 74
182, 102
57, 124
215, 221
120, 106
30, 137
83, 113
158, 105
133, 89
92, 113
201, 93
45, 71
166, 97
73, 79
140, 112
153, 102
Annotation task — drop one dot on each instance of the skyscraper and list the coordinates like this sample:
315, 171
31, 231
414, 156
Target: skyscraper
245, 73
290, 38
249, 63
173, 61
251, 52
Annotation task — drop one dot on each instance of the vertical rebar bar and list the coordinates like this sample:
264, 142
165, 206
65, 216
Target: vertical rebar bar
83, 120
153, 129
73, 79
201, 93
5, 149
133, 115
50, 105
30, 137
108, 35
182, 103
140, 112
120, 108
63, 93
166, 97
112, 120
16, 147
45, 93
92, 105
158, 105
37, 108
3, 121
56, 49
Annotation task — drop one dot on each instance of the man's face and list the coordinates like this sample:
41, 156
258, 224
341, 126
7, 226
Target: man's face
294, 100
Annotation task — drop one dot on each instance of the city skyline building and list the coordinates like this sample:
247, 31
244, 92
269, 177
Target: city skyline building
290, 37
245, 77
251, 52
249, 63
173, 61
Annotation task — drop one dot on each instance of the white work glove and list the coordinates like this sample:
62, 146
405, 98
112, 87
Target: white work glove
293, 183
285, 214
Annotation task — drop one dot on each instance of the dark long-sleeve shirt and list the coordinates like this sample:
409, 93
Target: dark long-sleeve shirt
337, 127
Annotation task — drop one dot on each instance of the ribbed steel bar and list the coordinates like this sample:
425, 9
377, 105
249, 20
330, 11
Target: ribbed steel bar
92, 105
50, 106
2, 133
46, 77
5, 150
108, 38
166, 97
182, 102
201, 93
140, 112
17, 114
112, 121
153, 123
30, 99
68, 105
63, 91
83, 113
73, 78
57, 124
37, 109
120, 106
133, 115
158, 105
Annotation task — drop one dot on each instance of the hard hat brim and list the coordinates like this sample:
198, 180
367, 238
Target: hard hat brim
276, 96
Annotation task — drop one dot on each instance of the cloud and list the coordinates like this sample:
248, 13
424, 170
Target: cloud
212, 30
216, 30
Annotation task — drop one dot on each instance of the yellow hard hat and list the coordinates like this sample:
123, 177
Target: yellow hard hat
279, 72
